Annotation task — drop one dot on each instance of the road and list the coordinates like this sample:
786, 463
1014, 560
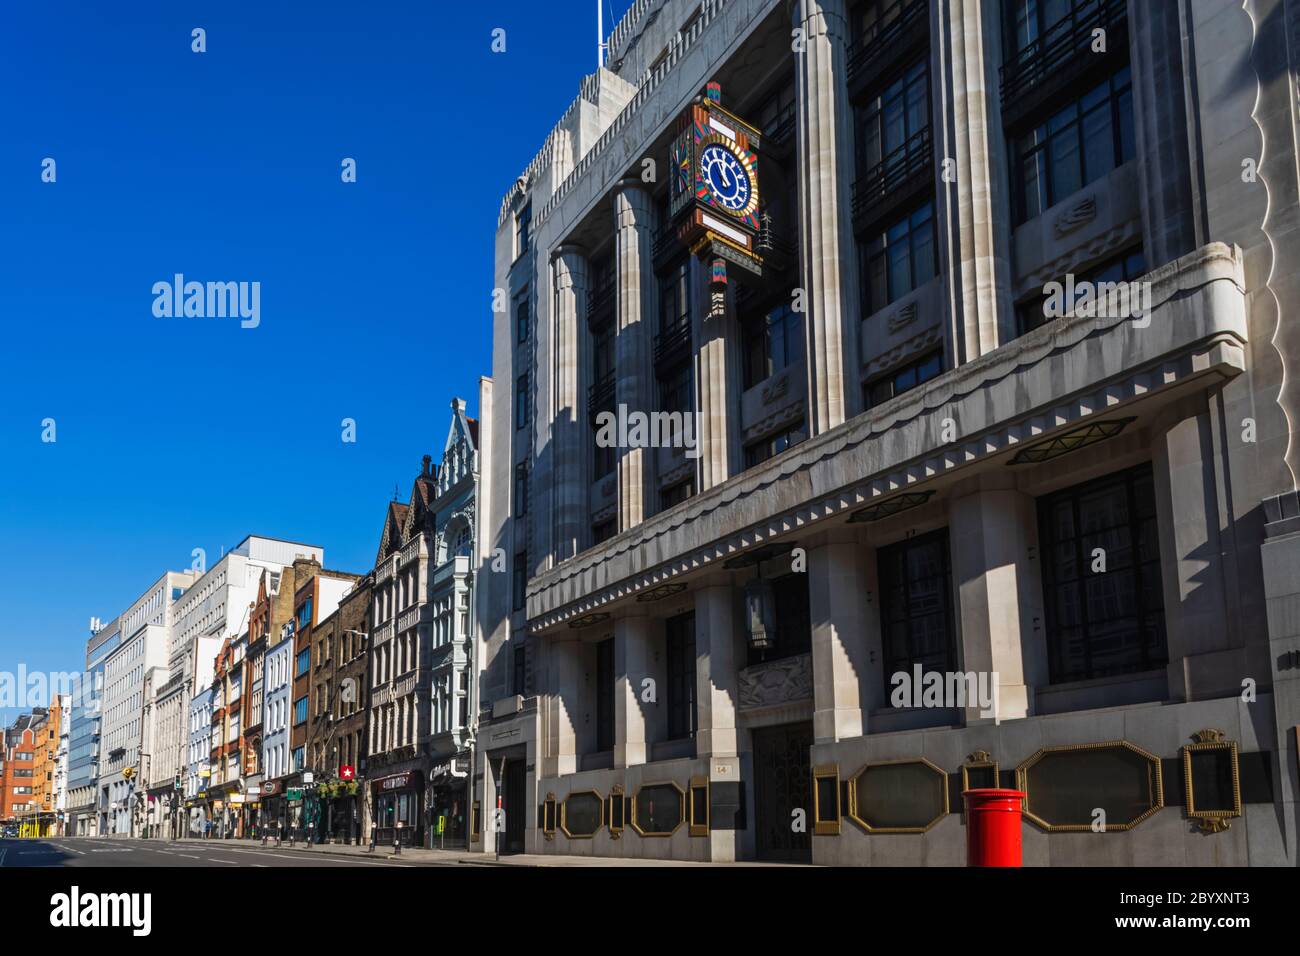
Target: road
95, 852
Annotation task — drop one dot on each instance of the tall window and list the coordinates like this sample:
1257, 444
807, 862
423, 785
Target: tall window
605, 695
1101, 580
680, 641
520, 578
521, 489
675, 297
677, 391
900, 112
300, 711
521, 401
521, 320
916, 606
523, 226
519, 675
601, 396
1076, 146
899, 259
771, 342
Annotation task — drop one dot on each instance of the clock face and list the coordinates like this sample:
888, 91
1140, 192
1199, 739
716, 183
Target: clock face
726, 176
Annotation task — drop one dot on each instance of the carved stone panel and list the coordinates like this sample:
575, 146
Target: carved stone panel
777, 682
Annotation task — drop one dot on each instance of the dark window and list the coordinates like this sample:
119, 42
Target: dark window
521, 401
676, 391
602, 398
676, 494
523, 224
520, 581
603, 531
899, 259
680, 640
890, 119
605, 695
521, 320
1030, 20
518, 680
885, 387
916, 606
1074, 147
771, 342
675, 297
760, 451
1103, 623
792, 634
521, 489
1126, 267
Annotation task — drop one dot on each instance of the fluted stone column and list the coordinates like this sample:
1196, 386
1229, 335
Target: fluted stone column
837, 602
973, 208
631, 665
826, 245
992, 540
717, 387
569, 491
634, 345
1160, 121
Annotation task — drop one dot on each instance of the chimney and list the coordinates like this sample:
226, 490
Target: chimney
428, 466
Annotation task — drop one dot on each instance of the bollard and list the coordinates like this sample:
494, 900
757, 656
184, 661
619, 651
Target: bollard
993, 827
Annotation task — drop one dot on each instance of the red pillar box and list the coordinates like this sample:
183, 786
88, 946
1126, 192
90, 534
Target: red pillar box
993, 827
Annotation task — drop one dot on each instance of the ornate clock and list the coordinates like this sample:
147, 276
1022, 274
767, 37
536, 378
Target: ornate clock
715, 195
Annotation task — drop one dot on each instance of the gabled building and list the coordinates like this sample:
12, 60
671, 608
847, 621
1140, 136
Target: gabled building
421, 650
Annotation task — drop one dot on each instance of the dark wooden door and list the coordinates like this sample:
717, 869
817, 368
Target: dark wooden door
514, 795
782, 784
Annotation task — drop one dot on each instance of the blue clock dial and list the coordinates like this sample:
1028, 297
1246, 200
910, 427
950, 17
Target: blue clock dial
726, 176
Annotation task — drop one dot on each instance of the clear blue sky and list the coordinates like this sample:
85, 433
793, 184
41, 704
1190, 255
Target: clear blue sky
180, 433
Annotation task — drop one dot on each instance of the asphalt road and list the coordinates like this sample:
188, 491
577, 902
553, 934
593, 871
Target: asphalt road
84, 852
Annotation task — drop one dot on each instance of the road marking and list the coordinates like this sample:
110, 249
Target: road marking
322, 858
3, 852
190, 856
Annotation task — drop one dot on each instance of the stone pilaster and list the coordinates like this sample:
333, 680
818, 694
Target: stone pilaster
716, 678
838, 608
992, 541
1206, 652
568, 699
634, 346
826, 245
973, 210
631, 665
569, 430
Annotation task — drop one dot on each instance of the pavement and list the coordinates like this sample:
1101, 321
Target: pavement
121, 851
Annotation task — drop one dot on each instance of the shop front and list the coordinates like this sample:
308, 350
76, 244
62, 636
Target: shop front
448, 804
272, 809
398, 809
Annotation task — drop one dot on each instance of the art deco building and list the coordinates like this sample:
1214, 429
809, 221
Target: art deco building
830, 233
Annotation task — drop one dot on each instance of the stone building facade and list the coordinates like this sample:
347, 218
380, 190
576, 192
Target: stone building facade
954, 522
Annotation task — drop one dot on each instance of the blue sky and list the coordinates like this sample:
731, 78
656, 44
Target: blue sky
177, 433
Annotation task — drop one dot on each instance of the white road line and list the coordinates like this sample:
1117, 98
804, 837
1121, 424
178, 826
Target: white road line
323, 858
3, 852
188, 855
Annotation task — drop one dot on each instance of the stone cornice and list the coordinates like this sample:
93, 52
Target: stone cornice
1043, 382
